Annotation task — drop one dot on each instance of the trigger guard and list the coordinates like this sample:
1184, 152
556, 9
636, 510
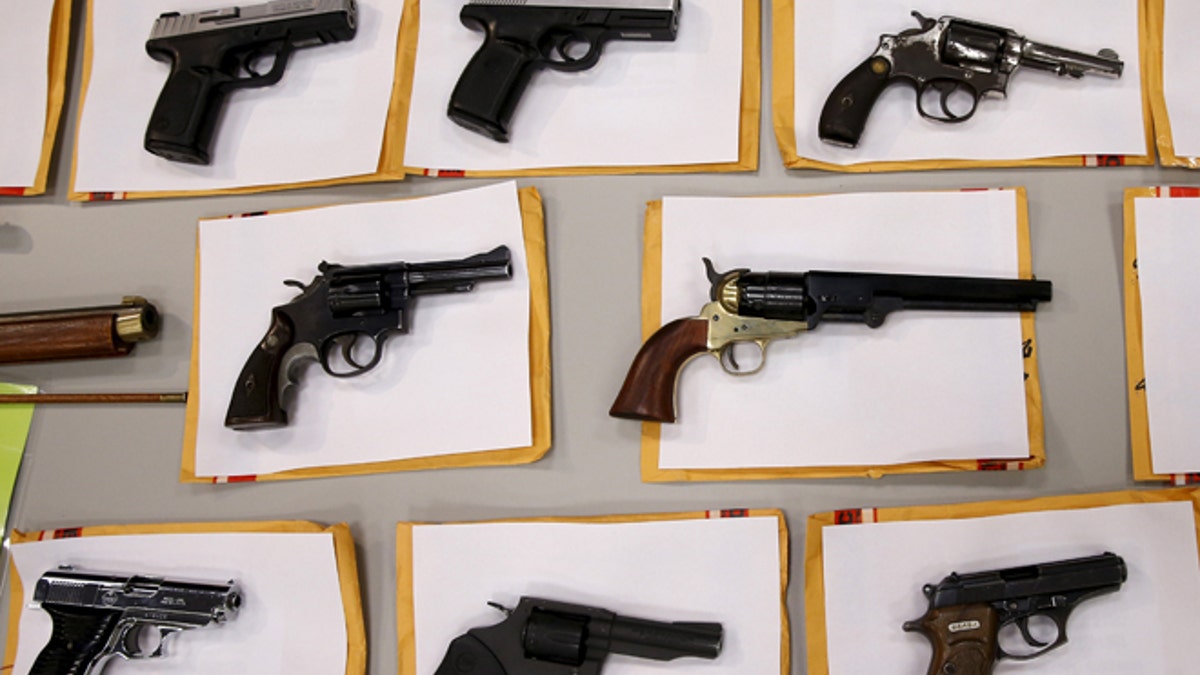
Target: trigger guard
557, 58
726, 352
945, 89
347, 347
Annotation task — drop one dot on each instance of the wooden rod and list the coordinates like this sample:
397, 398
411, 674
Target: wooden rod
93, 398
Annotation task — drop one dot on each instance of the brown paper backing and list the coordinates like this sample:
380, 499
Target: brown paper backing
814, 577
651, 320
406, 622
1155, 37
533, 222
343, 551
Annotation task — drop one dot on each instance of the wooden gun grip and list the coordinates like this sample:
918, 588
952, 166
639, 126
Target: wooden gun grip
649, 390
963, 639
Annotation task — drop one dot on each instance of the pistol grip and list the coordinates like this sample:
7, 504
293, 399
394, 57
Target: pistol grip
849, 104
185, 116
648, 393
76, 643
257, 401
468, 655
963, 639
491, 85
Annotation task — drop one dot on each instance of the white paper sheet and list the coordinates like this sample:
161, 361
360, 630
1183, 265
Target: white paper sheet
457, 382
24, 79
924, 386
324, 119
1168, 241
277, 629
1181, 73
724, 570
1042, 116
874, 573
644, 103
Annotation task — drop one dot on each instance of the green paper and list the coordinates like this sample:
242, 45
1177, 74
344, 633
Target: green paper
14, 430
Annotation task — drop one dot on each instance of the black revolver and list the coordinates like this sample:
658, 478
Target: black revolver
340, 305
968, 611
545, 637
759, 307
214, 52
946, 58
527, 35
99, 616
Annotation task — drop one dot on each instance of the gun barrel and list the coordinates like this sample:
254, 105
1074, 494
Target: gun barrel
456, 276
1066, 62
663, 641
850, 296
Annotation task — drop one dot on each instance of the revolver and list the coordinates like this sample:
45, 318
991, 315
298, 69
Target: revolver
215, 52
546, 637
526, 35
759, 307
945, 58
99, 616
967, 612
338, 307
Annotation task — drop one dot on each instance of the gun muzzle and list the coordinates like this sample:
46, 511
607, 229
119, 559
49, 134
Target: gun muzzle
457, 276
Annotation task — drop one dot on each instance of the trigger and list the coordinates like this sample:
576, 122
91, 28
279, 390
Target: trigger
1023, 626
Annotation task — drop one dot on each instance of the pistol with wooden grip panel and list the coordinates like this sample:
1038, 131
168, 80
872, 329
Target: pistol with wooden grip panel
970, 615
760, 307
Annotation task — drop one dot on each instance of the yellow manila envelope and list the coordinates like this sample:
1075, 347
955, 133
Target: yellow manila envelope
865, 569
924, 392
647, 106
330, 119
1161, 245
1043, 120
1171, 76
482, 355
728, 567
271, 629
34, 44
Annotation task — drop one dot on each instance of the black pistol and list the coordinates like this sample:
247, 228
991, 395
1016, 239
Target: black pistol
214, 52
761, 307
338, 307
967, 612
526, 35
545, 637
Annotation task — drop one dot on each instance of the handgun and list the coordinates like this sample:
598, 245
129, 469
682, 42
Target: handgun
77, 333
99, 616
760, 307
967, 612
343, 306
215, 52
527, 35
547, 637
952, 63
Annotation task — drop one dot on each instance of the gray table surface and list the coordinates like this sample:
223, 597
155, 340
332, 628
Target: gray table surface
92, 465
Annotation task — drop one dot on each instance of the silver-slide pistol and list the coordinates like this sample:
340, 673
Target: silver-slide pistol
523, 36
952, 63
99, 616
214, 52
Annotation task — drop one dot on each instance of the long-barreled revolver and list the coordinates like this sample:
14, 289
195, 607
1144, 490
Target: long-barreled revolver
952, 63
99, 616
215, 52
339, 307
546, 637
967, 612
525, 36
77, 333
759, 307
